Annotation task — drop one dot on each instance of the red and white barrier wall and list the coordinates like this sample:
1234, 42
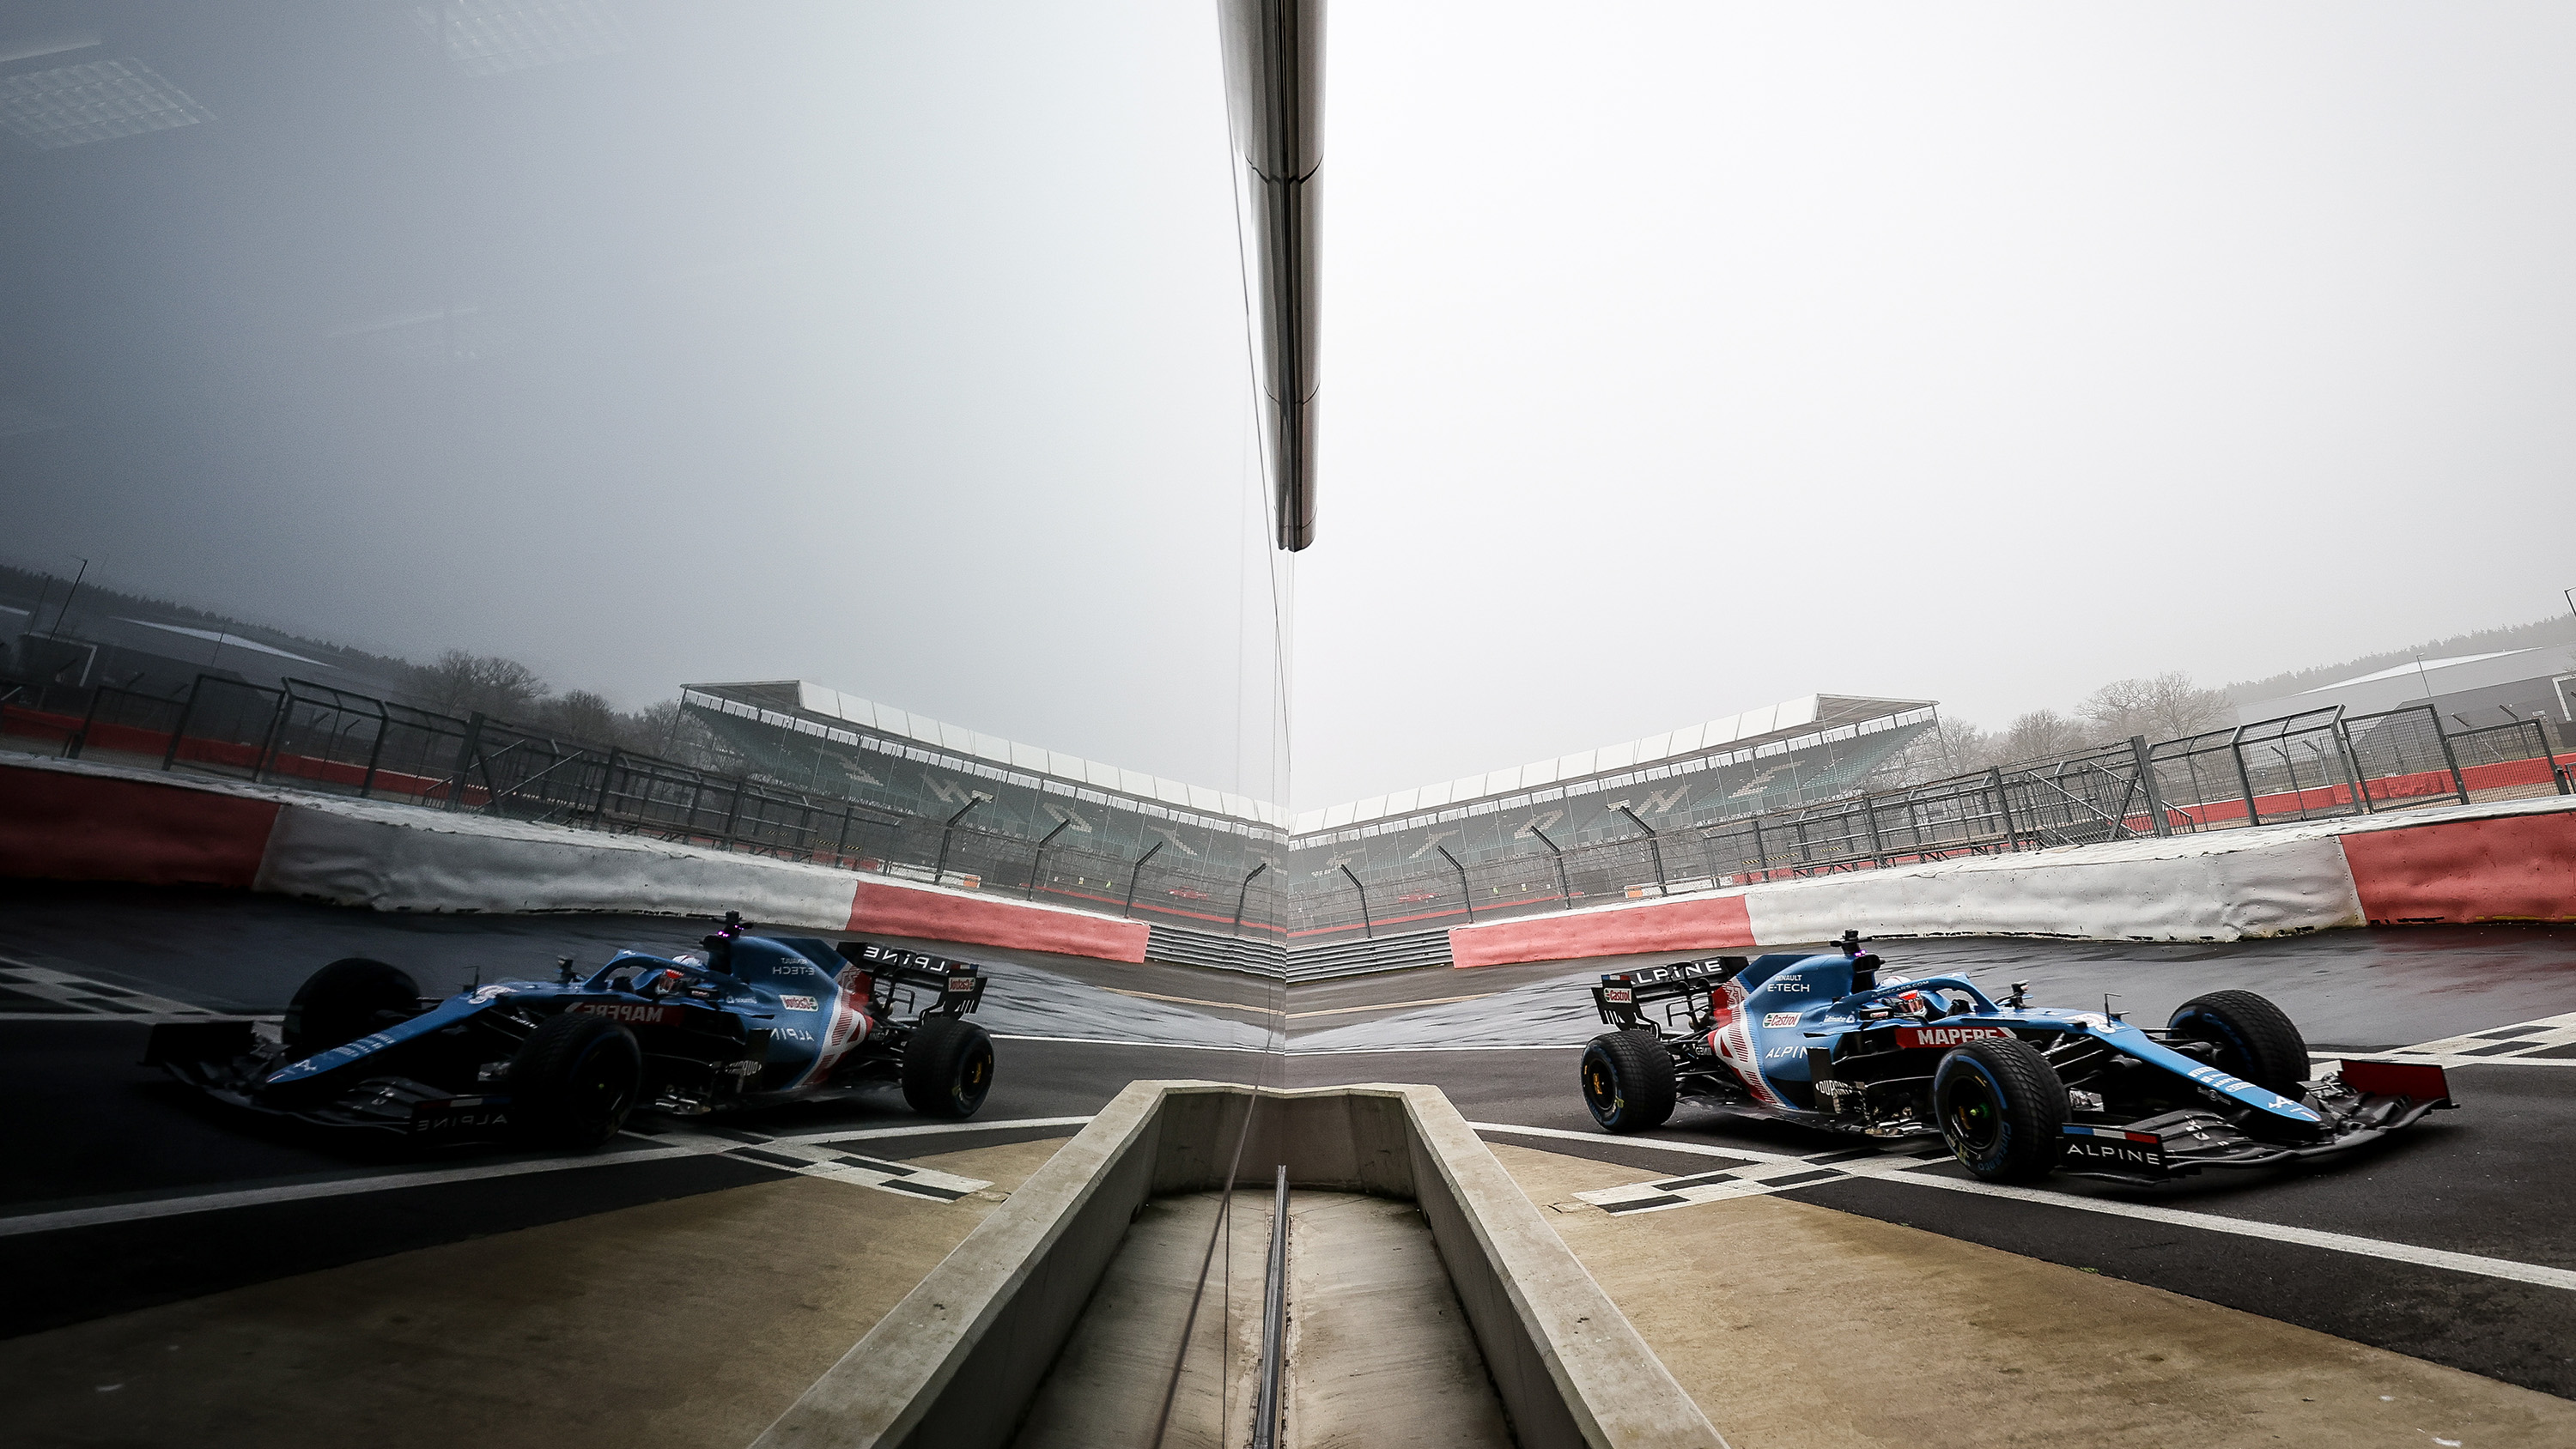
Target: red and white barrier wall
71, 820
2510, 861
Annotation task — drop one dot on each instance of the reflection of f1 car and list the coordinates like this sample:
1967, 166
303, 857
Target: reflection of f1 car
2016, 1091
750, 1021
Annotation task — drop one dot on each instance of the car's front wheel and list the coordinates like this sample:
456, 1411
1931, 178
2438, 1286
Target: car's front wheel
574, 1081
344, 1001
1628, 1081
2002, 1109
947, 1068
2254, 1039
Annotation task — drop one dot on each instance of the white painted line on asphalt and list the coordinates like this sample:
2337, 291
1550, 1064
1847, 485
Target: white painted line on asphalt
1175, 1046
1891, 1168
693, 1146
1390, 1005
1295, 1050
146, 1018
1190, 1000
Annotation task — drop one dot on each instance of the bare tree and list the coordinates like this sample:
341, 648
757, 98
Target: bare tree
460, 683
2166, 707
2038, 735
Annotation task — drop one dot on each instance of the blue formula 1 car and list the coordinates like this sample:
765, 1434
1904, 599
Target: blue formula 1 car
748, 1021
2016, 1091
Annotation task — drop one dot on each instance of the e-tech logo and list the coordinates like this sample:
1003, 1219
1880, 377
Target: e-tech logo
1788, 985
793, 968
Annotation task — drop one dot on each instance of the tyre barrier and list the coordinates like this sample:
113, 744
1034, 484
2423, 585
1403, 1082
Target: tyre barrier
75, 820
2451, 865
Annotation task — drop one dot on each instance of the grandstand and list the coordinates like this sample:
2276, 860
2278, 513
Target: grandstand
810, 737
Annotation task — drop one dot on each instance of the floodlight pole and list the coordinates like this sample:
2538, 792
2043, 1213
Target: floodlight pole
1654, 847
1564, 889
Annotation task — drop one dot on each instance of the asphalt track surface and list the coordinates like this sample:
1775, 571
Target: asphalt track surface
2452, 1242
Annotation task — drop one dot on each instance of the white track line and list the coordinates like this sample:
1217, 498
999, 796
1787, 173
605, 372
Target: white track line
694, 1146
1172, 1046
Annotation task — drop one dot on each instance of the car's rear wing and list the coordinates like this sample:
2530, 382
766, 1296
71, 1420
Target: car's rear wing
1622, 995
959, 984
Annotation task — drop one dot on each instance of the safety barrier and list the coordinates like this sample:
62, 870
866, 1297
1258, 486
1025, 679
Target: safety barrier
2501, 861
76, 820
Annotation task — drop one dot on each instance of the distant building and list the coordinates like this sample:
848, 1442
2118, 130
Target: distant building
2471, 691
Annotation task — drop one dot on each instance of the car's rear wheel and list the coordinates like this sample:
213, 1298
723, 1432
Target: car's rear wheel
947, 1068
344, 1001
2001, 1108
1628, 1081
2255, 1039
574, 1081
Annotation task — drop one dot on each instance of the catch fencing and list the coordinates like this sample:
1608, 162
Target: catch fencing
1302, 911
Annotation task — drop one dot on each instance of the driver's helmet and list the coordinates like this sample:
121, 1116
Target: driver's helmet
661, 983
1914, 1004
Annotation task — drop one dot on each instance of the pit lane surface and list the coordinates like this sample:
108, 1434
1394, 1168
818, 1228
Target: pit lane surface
125, 1189
2351, 1247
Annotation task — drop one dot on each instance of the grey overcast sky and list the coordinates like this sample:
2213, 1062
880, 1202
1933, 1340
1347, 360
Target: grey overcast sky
1678, 358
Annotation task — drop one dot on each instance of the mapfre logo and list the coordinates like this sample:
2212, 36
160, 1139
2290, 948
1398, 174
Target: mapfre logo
1946, 1036
621, 1011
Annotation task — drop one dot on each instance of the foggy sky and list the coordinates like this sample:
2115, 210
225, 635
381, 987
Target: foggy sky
1677, 359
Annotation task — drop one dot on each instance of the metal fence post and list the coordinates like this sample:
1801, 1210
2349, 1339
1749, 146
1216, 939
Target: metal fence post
1466, 892
1564, 888
1761, 852
170, 758
1037, 862
468, 750
375, 752
2245, 781
2459, 782
1368, 929
2147, 780
1138, 874
939, 872
2003, 807
1242, 896
1654, 848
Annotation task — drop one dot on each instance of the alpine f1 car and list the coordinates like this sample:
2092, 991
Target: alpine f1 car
2016, 1091
748, 1021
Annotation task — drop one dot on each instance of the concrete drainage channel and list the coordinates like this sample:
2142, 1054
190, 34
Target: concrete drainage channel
1059, 1320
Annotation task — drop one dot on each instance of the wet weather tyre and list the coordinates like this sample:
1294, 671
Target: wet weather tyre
2255, 1039
574, 1081
1628, 1081
2002, 1109
346, 1000
947, 1068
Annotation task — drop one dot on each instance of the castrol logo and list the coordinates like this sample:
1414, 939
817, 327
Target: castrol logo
1946, 1036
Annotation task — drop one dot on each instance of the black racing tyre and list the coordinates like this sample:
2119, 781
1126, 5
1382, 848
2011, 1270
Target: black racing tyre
2255, 1039
346, 1000
574, 1081
947, 1067
2002, 1109
1628, 1081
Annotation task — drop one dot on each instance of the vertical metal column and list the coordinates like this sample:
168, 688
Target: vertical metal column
468, 750
1037, 862
1240, 897
2245, 781
1564, 889
1368, 929
2147, 778
1466, 892
2450, 758
1654, 848
170, 758
939, 872
1138, 874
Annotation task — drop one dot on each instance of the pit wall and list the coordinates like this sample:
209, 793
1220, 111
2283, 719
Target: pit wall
2508, 861
957, 1363
76, 820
